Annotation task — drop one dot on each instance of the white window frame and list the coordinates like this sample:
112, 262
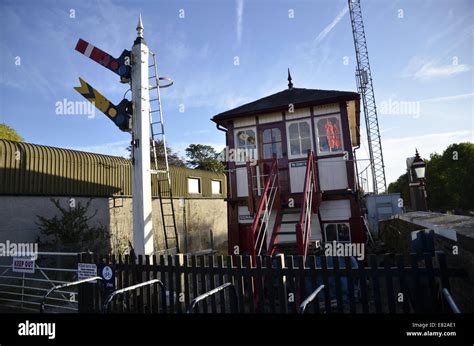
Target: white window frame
288, 124
263, 142
236, 147
337, 234
199, 185
220, 187
316, 135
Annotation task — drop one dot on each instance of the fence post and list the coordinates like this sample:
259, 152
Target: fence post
281, 282
85, 297
138, 272
179, 264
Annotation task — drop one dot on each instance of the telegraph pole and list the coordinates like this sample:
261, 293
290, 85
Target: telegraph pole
141, 175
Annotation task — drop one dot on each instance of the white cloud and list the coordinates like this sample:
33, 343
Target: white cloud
239, 9
331, 26
429, 70
448, 98
421, 68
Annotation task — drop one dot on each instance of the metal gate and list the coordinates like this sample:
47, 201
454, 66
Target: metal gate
25, 291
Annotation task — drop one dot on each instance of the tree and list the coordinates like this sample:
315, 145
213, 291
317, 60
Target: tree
71, 230
203, 157
449, 178
173, 157
449, 183
401, 186
6, 132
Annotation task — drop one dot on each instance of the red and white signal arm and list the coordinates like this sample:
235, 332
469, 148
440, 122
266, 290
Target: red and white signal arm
120, 65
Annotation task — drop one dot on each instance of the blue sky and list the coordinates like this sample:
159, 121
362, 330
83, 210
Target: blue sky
420, 52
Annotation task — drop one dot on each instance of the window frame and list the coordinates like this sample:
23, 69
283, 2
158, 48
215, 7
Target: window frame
288, 138
337, 232
271, 129
236, 146
316, 135
220, 187
199, 185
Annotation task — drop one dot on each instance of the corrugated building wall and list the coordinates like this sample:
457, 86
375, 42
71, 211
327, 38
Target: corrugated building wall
31, 169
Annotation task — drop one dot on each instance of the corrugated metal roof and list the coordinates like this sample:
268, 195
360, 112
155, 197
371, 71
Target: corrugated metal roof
31, 169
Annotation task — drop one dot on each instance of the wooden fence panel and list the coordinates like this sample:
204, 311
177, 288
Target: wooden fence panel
259, 282
431, 292
269, 284
281, 282
389, 284
350, 283
274, 284
291, 296
220, 281
249, 284
337, 279
327, 288
405, 295
417, 299
375, 283
314, 283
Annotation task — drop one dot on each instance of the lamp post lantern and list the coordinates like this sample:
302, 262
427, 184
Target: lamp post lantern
417, 170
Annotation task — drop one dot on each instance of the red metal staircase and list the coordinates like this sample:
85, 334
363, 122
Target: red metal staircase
269, 200
287, 240
312, 197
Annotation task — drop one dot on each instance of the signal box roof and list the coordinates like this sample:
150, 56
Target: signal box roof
298, 97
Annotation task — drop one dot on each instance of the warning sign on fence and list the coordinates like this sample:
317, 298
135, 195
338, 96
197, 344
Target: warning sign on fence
23, 265
86, 270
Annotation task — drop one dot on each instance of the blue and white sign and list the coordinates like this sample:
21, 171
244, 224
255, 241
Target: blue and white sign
107, 272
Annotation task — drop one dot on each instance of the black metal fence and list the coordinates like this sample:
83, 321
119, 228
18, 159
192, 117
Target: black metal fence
382, 284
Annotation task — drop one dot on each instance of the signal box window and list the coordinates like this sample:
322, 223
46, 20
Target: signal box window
300, 138
245, 145
337, 232
271, 143
329, 135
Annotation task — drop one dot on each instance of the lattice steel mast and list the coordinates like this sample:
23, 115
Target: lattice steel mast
366, 89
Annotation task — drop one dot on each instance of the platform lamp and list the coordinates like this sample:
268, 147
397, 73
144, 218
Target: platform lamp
419, 168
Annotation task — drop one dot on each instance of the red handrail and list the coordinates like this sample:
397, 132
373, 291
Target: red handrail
303, 233
253, 236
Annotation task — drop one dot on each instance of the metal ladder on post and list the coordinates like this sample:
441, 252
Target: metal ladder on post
162, 170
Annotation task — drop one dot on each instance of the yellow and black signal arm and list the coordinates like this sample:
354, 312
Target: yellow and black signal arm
120, 114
